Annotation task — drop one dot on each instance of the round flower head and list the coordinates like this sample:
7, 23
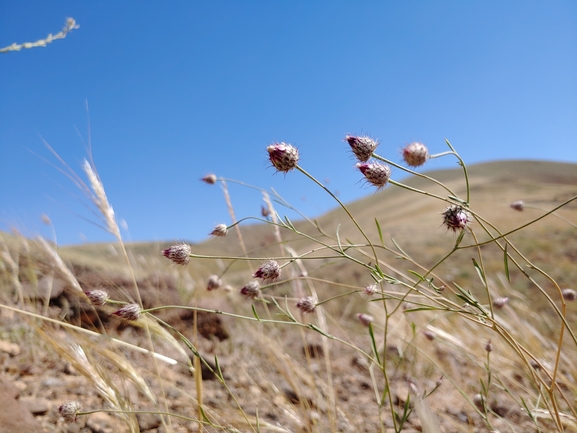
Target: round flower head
69, 411
283, 156
97, 297
213, 283
269, 271
307, 305
179, 254
370, 290
500, 302
375, 173
518, 205
415, 154
220, 230
251, 290
363, 147
569, 294
210, 179
130, 312
456, 218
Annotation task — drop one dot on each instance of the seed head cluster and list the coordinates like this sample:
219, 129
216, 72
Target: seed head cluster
251, 290
307, 304
210, 179
130, 312
569, 294
69, 411
415, 154
219, 230
179, 254
518, 205
456, 218
268, 272
213, 283
363, 146
284, 157
97, 297
376, 173
365, 319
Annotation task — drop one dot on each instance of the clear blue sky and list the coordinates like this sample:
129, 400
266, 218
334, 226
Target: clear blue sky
180, 89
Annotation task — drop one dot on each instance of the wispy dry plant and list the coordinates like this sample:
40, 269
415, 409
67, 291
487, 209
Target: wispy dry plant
68, 27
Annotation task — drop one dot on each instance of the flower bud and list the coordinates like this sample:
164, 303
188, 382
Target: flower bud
365, 319
251, 290
456, 218
69, 411
97, 297
363, 147
179, 254
283, 156
518, 205
500, 302
210, 179
569, 294
130, 312
220, 230
489, 346
375, 173
269, 271
213, 283
415, 154
307, 305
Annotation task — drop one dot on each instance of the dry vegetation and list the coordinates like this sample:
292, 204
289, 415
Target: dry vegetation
433, 359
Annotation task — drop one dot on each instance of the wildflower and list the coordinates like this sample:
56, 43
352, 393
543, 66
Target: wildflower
456, 218
518, 205
430, 335
220, 230
489, 346
415, 154
500, 302
251, 290
97, 297
130, 312
269, 271
370, 290
363, 147
307, 304
209, 178
569, 294
375, 173
365, 319
69, 411
284, 157
179, 254
213, 283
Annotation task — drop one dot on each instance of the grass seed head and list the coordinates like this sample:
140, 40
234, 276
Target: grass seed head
97, 297
269, 271
213, 283
210, 179
251, 290
284, 157
179, 254
363, 147
518, 205
415, 154
456, 218
220, 230
376, 173
130, 312
569, 294
307, 304
69, 411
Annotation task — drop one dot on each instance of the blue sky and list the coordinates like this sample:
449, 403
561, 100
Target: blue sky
180, 89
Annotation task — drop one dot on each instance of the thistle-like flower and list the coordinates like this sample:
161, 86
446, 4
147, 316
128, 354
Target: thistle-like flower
456, 218
269, 271
284, 157
370, 290
500, 302
220, 230
130, 312
363, 147
365, 319
569, 294
307, 304
415, 154
375, 173
69, 411
97, 297
179, 254
518, 205
251, 290
209, 178
213, 283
